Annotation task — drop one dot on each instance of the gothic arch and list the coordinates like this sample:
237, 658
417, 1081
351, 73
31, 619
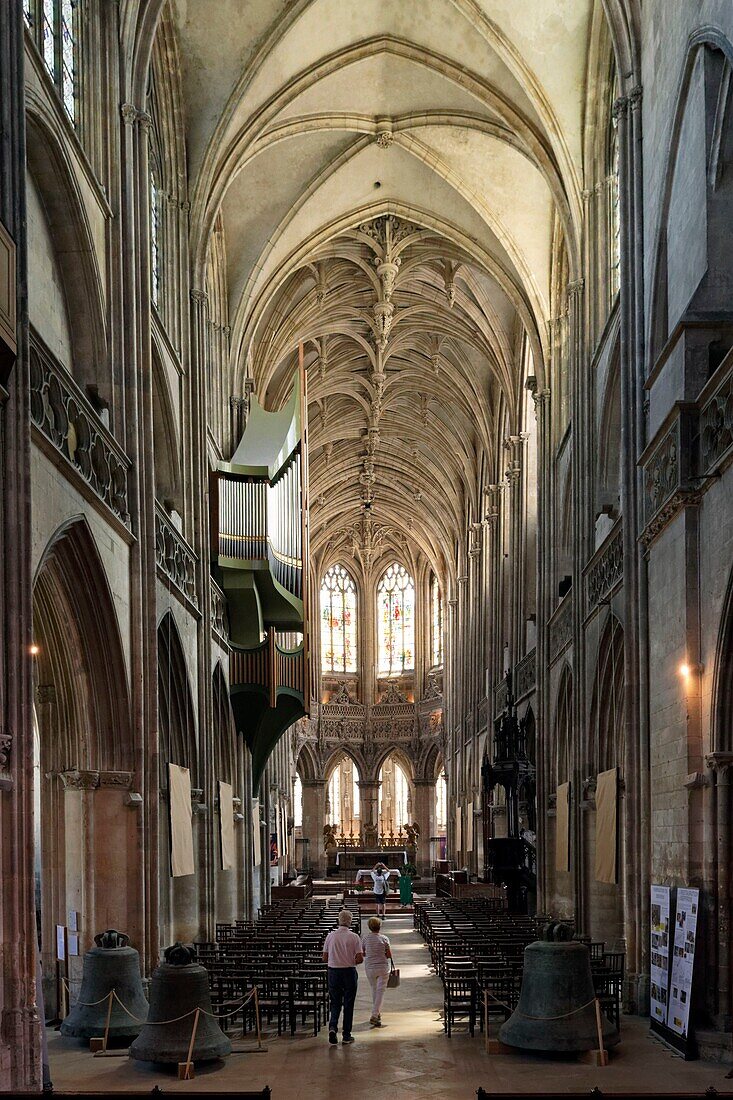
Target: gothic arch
80, 654
306, 763
335, 758
225, 738
609, 438
721, 717
177, 724
398, 753
166, 435
658, 319
84, 756
607, 703
562, 726
73, 241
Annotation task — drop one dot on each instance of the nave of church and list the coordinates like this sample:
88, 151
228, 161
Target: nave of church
366, 454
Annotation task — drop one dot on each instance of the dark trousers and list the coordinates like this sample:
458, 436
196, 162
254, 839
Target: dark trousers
342, 982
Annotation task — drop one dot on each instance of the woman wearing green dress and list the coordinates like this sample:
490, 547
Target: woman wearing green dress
405, 889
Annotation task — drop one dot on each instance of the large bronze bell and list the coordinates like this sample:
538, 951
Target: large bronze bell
177, 989
556, 1010
111, 965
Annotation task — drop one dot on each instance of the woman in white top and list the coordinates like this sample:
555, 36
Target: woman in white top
377, 954
380, 878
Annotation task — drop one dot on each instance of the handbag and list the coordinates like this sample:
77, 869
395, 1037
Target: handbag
394, 976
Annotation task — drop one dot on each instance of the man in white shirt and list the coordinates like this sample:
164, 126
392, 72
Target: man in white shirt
342, 951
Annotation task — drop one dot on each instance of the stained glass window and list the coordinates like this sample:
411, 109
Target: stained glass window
338, 621
154, 240
396, 621
56, 38
298, 802
394, 796
436, 613
68, 52
441, 801
614, 228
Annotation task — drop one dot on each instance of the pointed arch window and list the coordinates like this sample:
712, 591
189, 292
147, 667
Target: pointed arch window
396, 621
54, 24
154, 240
436, 619
614, 198
338, 621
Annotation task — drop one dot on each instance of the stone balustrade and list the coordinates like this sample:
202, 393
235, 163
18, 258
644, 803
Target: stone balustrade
67, 420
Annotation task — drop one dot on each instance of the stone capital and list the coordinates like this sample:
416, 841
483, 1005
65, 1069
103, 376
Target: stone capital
129, 113
719, 761
78, 780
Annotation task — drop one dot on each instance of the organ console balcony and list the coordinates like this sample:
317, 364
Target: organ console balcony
259, 544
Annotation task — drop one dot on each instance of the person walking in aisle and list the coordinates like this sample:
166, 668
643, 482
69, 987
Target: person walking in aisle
343, 952
377, 954
380, 878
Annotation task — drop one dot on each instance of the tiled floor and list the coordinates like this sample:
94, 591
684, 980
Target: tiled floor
409, 1057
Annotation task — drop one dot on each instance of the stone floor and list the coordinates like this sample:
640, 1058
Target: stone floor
409, 1057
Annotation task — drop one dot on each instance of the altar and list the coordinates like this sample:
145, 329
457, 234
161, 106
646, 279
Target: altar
351, 861
357, 858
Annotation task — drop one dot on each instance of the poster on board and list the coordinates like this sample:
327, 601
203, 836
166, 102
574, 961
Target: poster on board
683, 960
660, 904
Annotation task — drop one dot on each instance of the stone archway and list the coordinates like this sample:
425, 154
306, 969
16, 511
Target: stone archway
180, 916
86, 835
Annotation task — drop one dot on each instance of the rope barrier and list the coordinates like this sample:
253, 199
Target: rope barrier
85, 1004
175, 1020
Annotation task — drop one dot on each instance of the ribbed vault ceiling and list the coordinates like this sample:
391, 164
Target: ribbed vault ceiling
317, 128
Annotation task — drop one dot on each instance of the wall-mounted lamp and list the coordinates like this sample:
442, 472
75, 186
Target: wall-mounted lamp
34, 650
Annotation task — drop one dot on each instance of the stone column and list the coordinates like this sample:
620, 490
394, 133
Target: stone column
720, 763
544, 609
200, 528
423, 812
134, 228
515, 447
314, 819
637, 869
20, 1035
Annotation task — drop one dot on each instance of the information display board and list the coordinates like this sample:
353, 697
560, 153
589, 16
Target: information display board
660, 906
683, 960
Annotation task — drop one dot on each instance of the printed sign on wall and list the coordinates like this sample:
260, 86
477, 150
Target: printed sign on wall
660, 898
683, 960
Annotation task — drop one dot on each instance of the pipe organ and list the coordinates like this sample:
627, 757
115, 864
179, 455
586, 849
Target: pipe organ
259, 541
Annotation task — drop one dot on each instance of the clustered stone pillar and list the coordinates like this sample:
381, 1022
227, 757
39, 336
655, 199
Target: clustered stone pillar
314, 819
423, 812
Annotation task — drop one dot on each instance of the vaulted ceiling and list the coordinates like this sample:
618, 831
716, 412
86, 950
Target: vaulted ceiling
389, 176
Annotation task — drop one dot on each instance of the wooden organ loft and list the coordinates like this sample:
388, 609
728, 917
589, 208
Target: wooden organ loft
259, 545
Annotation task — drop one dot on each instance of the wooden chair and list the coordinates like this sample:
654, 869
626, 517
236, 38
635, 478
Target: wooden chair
459, 1001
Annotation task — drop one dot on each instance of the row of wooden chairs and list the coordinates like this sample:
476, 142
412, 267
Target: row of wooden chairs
281, 953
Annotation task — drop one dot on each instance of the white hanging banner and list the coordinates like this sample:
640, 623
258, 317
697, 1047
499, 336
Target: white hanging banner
226, 825
606, 825
458, 831
683, 960
256, 832
469, 827
659, 958
179, 789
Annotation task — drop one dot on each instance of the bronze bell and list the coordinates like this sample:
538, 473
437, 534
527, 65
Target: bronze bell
556, 984
179, 986
111, 965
